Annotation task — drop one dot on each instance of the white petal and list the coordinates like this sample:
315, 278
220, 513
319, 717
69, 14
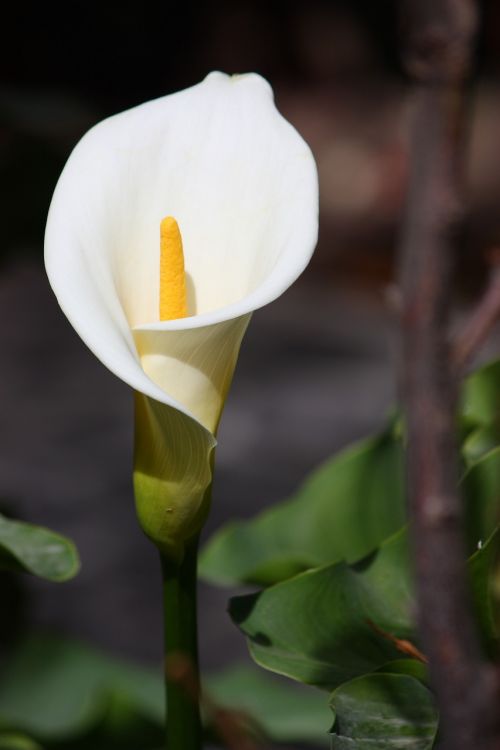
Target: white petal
240, 181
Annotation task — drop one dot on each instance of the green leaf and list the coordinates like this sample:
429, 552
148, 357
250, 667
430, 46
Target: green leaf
481, 488
345, 509
480, 412
481, 441
36, 550
323, 626
408, 667
55, 688
480, 399
285, 712
383, 711
481, 565
335, 623
15, 741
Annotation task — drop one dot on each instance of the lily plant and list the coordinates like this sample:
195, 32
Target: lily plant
170, 224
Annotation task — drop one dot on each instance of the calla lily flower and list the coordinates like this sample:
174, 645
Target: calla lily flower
242, 185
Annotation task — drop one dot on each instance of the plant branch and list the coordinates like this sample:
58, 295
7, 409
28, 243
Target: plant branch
440, 36
479, 325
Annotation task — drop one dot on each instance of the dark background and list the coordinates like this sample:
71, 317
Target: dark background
317, 369
337, 72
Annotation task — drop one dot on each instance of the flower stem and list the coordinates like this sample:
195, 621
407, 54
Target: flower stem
183, 729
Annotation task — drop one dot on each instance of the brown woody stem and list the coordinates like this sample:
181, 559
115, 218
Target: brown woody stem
440, 38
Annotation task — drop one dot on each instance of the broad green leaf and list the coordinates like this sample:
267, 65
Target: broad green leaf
55, 688
338, 622
383, 711
285, 712
480, 401
36, 550
323, 626
345, 509
15, 741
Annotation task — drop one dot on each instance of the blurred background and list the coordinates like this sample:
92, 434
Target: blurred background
317, 369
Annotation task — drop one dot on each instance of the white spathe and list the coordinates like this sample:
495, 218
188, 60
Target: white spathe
242, 185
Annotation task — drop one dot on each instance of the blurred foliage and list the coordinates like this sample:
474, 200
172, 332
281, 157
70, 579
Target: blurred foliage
481, 411
36, 550
69, 696
62, 692
16, 741
480, 397
344, 510
283, 714
355, 501
481, 486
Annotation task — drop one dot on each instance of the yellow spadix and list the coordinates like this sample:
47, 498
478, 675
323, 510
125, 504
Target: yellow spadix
173, 302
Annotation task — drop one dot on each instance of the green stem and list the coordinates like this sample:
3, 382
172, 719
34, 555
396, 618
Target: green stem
183, 730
